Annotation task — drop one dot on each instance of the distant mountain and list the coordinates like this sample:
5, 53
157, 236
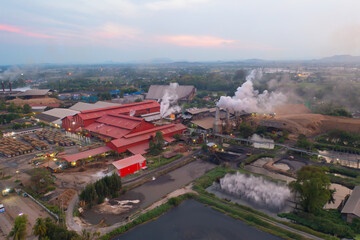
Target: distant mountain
341, 59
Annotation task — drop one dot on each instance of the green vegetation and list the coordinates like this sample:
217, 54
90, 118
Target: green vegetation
332, 110
245, 130
313, 186
156, 144
303, 143
104, 96
18, 232
41, 181
7, 118
27, 108
160, 161
329, 222
105, 187
255, 157
46, 229
21, 125
340, 138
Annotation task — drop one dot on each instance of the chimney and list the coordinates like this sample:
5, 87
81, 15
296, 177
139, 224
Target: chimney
217, 121
3, 86
227, 122
10, 86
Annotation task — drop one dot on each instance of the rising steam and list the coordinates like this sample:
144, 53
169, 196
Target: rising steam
168, 104
256, 190
248, 100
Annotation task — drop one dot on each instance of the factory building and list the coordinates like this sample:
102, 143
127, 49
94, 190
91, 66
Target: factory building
87, 117
138, 143
54, 116
128, 165
113, 126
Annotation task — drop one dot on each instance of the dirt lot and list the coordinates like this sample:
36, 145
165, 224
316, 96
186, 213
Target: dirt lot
299, 120
14, 205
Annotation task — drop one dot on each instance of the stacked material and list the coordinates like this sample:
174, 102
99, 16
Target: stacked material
11, 147
54, 137
39, 145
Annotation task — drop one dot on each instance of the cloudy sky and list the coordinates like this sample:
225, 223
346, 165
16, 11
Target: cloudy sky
94, 31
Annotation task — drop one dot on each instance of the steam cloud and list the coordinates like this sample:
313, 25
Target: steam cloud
248, 100
256, 189
168, 103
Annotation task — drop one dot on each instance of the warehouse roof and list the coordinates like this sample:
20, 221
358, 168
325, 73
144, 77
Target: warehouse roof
205, 123
81, 106
147, 134
126, 162
352, 205
34, 92
156, 92
60, 112
119, 109
86, 154
45, 117
194, 111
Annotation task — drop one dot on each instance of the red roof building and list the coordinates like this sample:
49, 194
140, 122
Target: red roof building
139, 142
116, 126
129, 165
85, 118
86, 154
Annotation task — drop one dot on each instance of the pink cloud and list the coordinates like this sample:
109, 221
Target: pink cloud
13, 29
195, 41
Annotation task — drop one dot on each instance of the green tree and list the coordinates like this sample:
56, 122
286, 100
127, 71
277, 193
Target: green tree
245, 130
313, 186
27, 108
18, 232
12, 107
159, 139
138, 100
40, 228
303, 143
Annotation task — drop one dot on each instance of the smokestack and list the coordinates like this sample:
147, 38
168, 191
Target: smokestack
227, 122
3, 86
217, 122
10, 86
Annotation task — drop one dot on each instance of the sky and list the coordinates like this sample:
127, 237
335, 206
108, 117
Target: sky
97, 31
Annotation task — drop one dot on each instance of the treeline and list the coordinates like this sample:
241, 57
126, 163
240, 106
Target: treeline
15, 109
96, 192
7, 118
340, 138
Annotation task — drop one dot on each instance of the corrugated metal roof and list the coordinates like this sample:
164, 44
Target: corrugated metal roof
205, 123
145, 135
126, 162
120, 109
106, 130
352, 205
156, 92
46, 117
60, 112
139, 149
86, 154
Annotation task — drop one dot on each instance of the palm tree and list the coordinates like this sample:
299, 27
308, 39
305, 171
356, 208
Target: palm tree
40, 228
18, 232
88, 236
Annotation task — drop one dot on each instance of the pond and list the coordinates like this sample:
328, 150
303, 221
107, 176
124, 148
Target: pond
192, 220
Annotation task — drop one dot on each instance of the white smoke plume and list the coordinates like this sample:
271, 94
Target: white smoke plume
10, 74
256, 190
248, 100
168, 104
